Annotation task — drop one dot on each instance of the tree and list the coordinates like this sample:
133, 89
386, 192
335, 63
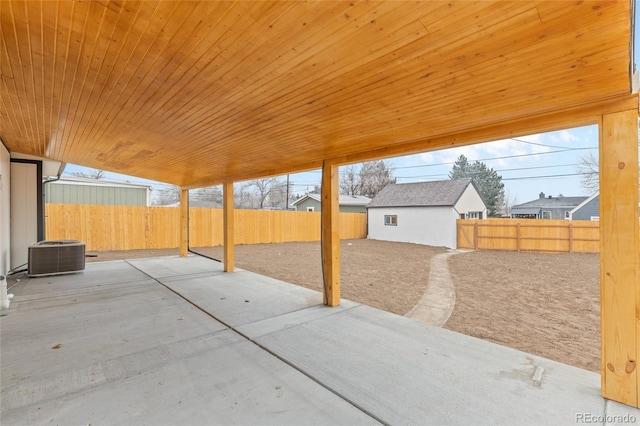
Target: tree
268, 192
510, 200
350, 183
95, 174
589, 170
374, 175
211, 196
371, 177
169, 194
489, 182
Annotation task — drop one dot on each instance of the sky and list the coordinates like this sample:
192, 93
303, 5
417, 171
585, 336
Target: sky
528, 165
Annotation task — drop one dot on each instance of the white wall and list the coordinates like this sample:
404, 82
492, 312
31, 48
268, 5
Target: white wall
24, 211
5, 210
470, 201
433, 226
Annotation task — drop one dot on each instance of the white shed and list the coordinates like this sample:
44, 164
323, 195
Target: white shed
424, 212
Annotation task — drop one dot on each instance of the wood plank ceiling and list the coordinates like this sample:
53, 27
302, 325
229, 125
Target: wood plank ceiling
194, 93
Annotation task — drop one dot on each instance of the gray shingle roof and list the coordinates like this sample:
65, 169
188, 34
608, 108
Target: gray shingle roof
554, 202
437, 193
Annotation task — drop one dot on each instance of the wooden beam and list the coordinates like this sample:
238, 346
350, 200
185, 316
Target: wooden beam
227, 193
619, 256
580, 115
184, 222
330, 232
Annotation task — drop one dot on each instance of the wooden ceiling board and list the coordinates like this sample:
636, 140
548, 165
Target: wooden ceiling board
200, 92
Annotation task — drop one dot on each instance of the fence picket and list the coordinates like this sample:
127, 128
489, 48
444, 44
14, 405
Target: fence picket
105, 228
538, 235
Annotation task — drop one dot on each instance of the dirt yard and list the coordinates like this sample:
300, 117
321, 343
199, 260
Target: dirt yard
545, 304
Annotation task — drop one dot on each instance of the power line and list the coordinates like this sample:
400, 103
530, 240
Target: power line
549, 176
545, 145
495, 158
501, 170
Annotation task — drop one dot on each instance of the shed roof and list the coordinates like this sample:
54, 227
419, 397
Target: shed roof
427, 194
97, 182
201, 92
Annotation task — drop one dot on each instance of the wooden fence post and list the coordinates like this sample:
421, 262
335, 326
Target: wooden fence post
570, 237
475, 235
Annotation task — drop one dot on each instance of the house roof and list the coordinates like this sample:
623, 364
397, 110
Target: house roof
204, 92
345, 200
586, 201
97, 182
427, 194
549, 203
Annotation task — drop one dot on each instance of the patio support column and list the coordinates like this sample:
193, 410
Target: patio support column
619, 256
227, 194
330, 236
184, 222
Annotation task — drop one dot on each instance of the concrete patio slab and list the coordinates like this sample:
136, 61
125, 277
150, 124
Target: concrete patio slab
235, 299
173, 266
405, 372
230, 382
184, 343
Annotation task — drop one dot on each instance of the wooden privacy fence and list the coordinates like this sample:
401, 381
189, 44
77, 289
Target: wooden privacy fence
105, 228
529, 235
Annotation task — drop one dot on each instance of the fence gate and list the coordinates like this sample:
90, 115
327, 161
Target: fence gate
466, 235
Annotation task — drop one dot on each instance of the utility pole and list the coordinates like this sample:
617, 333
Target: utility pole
286, 200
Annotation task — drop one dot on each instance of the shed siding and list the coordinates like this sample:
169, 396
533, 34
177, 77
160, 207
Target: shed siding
352, 209
470, 201
434, 226
88, 194
309, 202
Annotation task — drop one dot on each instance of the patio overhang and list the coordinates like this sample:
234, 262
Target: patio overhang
200, 93
197, 93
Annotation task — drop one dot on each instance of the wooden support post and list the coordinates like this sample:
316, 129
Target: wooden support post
184, 222
330, 235
228, 212
619, 256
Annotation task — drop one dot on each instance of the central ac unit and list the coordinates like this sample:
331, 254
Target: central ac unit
56, 257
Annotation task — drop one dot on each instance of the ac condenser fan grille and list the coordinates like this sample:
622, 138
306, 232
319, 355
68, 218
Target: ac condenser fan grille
56, 257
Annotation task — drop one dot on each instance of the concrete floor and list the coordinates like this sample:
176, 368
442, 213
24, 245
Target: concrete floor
176, 341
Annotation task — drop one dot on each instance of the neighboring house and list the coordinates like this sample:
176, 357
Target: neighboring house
96, 191
425, 212
589, 209
348, 203
547, 207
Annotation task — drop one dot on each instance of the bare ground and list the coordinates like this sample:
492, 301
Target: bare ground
545, 304
541, 303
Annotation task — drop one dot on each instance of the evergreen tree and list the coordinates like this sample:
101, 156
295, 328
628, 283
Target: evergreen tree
489, 182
